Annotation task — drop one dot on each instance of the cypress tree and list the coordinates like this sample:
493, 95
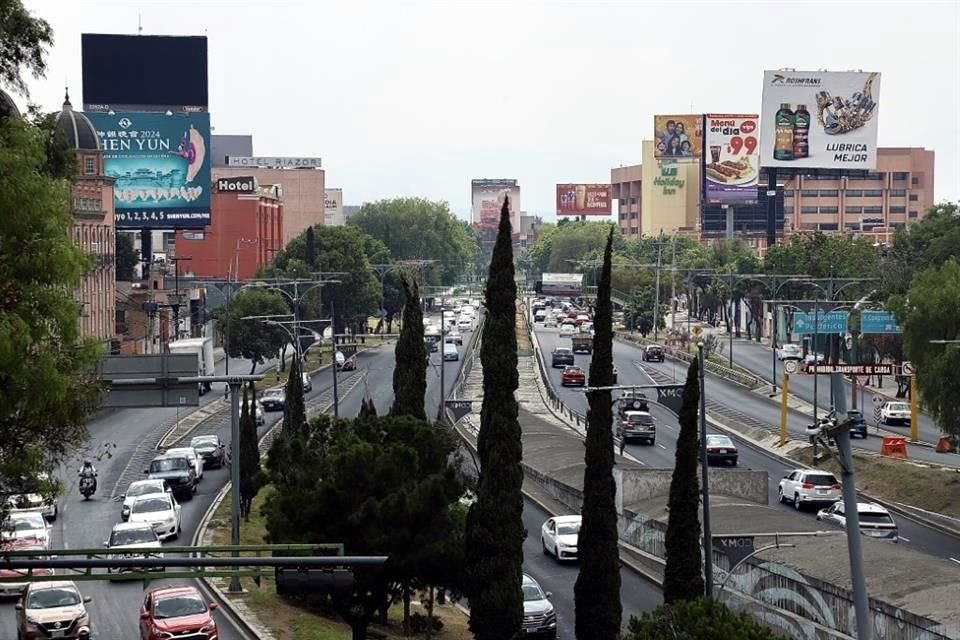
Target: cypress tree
410, 370
597, 590
250, 475
494, 534
294, 411
310, 248
683, 574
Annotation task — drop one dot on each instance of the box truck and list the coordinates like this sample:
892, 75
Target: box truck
203, 347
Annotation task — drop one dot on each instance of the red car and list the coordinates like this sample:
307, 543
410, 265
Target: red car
9, 585
180, 611
573, 377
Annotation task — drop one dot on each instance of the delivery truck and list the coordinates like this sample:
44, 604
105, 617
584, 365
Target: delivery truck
203, 348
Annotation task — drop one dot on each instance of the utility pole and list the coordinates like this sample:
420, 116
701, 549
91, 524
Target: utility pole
443, 345
673, 284
333, 357
176, 305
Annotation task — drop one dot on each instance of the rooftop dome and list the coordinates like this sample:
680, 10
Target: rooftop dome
7, 106
77, 128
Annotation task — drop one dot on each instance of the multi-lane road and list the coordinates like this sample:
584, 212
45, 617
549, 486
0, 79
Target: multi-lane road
735, 401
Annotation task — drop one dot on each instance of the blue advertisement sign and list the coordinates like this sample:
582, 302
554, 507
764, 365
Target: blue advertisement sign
810, 322
161, 166
879, 322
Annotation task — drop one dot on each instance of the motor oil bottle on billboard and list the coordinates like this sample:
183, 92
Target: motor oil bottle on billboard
801, 132
783, 133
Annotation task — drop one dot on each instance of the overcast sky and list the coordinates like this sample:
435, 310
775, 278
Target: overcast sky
403, 98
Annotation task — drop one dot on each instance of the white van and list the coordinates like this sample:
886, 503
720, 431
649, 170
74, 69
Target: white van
465, 323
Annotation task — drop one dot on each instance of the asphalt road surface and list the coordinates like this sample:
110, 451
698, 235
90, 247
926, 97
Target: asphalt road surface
746, 403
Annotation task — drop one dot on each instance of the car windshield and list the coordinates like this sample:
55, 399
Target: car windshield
821, 480
178, 606
204, 442
874, 517
899, 406
639, 418
169, 464
532, 592
561, 351
52, 598
568, 528
24, 523
273, 393
150, 505
132, 536
719, 441
144, 488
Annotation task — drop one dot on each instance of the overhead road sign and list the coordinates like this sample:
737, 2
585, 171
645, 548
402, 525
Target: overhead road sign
879, 322
830, 322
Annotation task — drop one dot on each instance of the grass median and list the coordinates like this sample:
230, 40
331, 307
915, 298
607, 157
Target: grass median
288, 622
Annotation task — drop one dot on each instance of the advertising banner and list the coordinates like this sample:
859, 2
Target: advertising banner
678, 137
487, 197
333, 207
161, 167
583, 200
731, 165
819, 119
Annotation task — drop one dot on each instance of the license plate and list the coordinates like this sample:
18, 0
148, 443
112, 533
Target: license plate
721, 450
58, 633
822, 490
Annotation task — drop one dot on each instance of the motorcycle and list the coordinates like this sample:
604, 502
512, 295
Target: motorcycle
87, 487
826, 422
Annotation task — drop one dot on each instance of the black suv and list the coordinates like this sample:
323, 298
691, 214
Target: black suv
178, 471
562, 357
653, 353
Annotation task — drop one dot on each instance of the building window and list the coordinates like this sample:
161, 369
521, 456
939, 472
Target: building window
854, 209
898, 193
807, 193
915, 181
853, 226
874, 176
788, 193
854, 193
788, 209
900, 175
633, 201
873, 210
829, 193
623, 201
808, 209
913, 214
914, 197
898, 209
829, 209
828, 226
89, 166
872, 193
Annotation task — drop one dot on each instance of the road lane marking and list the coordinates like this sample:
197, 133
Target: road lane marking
903, 539
955, 560
661, 446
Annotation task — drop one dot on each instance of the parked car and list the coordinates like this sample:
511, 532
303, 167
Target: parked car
568, 328
875, 521
789, 351
177, 612
160, 511
193, 455
16, 587
720, 448
653, 353
127, 537
895, 413
55, 605
450, 352
638, 425
140, 488
273, 399
211, 449
27, 496
178, 473
573, 377
559, 536
539, 616
30, 525
561, 357
803, 486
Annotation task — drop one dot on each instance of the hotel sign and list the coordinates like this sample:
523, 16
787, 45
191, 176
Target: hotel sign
273, 162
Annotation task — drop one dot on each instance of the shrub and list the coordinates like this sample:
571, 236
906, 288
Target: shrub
701, 619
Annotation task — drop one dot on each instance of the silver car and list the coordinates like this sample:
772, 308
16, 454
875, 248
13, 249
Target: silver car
539, 616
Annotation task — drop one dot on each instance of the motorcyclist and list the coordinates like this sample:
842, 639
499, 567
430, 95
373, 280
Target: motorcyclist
89, 471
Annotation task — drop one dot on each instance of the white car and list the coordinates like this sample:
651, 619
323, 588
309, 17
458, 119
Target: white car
127, 536
895, 413
28, 498
812, 358
875, 521
192, 454
805, 486
30, 525
258, 411
789, 351
568, 329
551, 321
453, 337
465, 323
160, 511
139, 488
559, 537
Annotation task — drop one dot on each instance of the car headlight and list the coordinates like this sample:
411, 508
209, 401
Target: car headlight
210, 626
33, 621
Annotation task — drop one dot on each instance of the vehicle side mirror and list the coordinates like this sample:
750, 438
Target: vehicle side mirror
18, 606
191, 463
213, 605
144, 615
146, 470
87, 599
106, 544
122, 496
549, 594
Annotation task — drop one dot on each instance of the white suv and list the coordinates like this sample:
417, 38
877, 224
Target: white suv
790, 351
805, 486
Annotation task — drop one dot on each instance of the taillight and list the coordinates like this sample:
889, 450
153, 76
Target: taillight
835, 486
807, 485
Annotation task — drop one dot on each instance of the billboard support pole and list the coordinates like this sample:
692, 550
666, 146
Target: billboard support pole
772, 207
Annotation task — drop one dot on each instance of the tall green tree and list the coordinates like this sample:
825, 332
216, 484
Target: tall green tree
251, 476
495, 533
25, 40
415, 228
683, 573
924, 244
48, 380
410, 370
638, 312
597, 590
310, 247
294, 409
929, 312
251, 339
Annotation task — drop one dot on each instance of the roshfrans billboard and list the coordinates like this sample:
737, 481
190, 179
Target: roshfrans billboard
487, 199
731, 165
819, 119
678, 137
583, 200
161, 166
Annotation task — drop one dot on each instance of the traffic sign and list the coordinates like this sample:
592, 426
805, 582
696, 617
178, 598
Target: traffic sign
908, 368
852, 369
791, 366
879, 322
811, 322
459, 408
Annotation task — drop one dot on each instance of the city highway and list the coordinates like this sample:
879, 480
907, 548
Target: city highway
627, 358
757, 358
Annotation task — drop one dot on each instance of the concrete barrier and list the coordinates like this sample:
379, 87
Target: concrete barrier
634, 485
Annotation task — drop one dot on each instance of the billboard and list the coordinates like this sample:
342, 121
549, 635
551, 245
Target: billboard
678, 137
333, 207
144, 73
487, 199
731, 167
819, 119
161, 167
561, 284
583, 200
